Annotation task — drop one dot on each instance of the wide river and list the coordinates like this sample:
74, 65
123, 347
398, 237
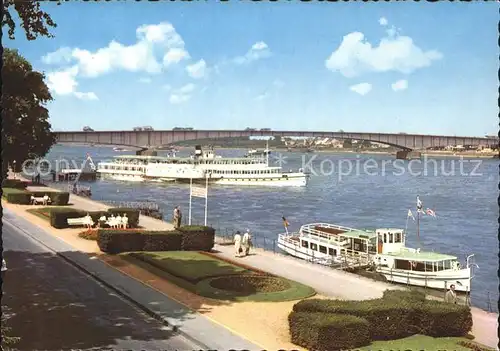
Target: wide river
361, 191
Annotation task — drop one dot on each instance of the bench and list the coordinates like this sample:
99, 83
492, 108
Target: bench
40, 200
80, 221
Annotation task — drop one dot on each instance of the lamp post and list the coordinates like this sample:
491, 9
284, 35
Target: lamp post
14, 168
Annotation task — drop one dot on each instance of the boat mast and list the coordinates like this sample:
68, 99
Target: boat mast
419, 209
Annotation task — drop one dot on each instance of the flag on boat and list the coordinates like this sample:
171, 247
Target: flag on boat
285, 222
410, 215
430, 212
419, 205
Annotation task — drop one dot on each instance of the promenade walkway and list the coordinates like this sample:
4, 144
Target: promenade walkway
342, 285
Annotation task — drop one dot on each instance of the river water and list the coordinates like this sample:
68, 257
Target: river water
360, 191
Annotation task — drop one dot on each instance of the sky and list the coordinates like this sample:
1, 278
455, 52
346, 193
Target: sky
425, 68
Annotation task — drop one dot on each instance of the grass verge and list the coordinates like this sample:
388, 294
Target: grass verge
423, 342
195, 271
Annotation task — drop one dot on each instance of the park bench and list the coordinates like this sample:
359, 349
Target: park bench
45, 200
86, 221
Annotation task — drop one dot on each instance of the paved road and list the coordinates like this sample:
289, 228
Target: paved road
55, 306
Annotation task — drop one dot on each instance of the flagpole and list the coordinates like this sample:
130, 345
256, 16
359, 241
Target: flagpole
206, 199
190, 197
406, 226
418, 228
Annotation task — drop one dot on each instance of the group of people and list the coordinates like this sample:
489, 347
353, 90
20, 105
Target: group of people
118, 222
242, 244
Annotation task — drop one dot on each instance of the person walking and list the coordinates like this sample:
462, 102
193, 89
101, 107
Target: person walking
451, 295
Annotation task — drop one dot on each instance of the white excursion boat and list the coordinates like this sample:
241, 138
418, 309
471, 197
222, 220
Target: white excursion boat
331, 244
384, 249
203, 164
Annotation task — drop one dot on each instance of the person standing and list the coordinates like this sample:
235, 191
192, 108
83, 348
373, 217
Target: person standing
176, 217
285, 224
451, 295
179, 217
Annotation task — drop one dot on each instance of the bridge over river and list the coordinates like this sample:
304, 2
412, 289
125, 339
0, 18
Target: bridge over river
162, 138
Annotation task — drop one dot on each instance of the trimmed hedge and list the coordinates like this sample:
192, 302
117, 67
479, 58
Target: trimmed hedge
23, 197
16, 196
197, 238
397, 315
328, 332
60, 219
163, 241
118, 241
438, 318
14, 183
388, 319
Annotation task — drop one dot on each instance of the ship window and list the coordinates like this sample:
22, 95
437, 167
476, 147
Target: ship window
314, 247
447, 264
305, 244
332, 252
391, 238
322, 249
428, 267
398, 237
385, 237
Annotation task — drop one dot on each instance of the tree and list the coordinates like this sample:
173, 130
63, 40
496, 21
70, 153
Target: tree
26, 128
34, 21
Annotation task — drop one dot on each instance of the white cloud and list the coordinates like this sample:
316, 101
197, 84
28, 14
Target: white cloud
174, 56
197, 70
86, 96
383, 21
145, 80
64, 83
60, 56
179, 98
400, 85
361, 88
139, 57
182, 94
355, 55
258, 51
167, 87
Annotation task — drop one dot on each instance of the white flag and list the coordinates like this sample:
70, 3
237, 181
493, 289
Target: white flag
410, 215
419, 205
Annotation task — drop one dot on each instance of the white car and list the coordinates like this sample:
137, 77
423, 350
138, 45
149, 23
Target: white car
4, 266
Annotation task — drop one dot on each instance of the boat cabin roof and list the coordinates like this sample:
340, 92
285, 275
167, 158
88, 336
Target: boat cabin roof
421, 256
162, 158
360, 234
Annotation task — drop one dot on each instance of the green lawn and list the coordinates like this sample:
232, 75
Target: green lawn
193, 271
189, 265
421, 342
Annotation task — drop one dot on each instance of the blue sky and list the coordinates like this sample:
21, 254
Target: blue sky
391, 67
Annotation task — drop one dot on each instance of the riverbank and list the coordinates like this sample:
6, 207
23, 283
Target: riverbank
247, 319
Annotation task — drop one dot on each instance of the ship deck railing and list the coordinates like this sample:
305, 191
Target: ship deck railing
146, 205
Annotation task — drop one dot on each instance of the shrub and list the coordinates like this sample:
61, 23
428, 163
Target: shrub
440, 319
388, 319
14, 183
59, 198
328, 332
163, 241
197, 238
117, 241
406, 295
59, 219
132, 214
16, 196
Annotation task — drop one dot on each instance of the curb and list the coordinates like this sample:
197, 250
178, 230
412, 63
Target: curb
122, 294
